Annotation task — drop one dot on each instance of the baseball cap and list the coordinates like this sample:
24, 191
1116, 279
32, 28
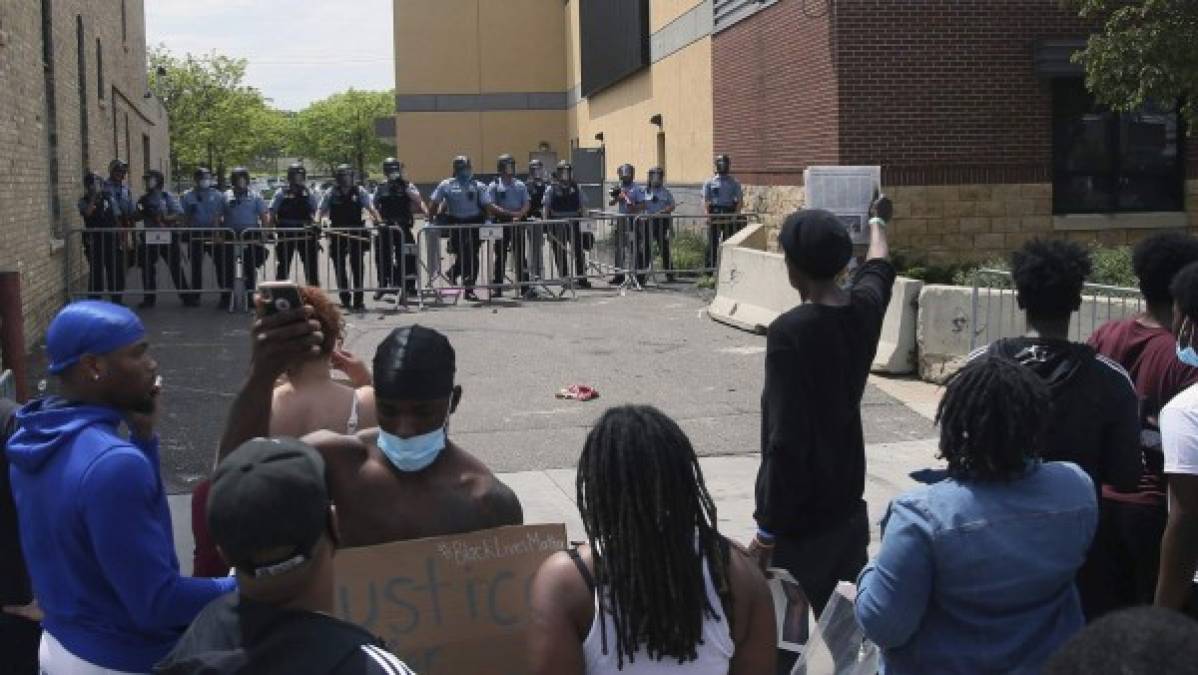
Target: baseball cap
270, 493
90, 327
816, 242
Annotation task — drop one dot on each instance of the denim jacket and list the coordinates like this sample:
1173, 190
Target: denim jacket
978, 577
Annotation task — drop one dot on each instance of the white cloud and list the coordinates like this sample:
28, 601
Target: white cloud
298, 51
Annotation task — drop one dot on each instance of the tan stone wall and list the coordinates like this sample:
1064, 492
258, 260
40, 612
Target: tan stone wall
30, 238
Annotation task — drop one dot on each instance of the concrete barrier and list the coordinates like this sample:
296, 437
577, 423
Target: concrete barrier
753, 289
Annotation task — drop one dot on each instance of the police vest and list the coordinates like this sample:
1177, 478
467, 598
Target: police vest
394, 203
536, 196
346, 210
295, 209
566, 198
153, 208
104, 216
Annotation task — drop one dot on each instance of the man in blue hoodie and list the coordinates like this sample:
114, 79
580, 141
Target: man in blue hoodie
94, 522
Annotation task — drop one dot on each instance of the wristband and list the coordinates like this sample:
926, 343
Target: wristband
877, 222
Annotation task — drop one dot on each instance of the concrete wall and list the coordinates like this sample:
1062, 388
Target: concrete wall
118, 116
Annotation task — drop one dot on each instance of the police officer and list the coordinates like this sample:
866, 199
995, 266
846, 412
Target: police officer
396, 199
343, 205
105, 262
721, 194
293, 208
537, 187
245, 213
158, 209
565, 200
115, 186
629, 199
203, 208
659, 202
458, 200
507, 201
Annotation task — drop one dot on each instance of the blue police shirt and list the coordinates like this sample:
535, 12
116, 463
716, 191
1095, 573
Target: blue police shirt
663, 200
462, 199
277, 200
121, 195
203, 207
509, 197
636, 194
243, 212
722, 191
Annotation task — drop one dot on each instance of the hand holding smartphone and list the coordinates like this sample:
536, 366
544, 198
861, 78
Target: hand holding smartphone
278, 296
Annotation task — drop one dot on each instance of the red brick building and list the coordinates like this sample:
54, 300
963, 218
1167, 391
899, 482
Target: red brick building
983, 128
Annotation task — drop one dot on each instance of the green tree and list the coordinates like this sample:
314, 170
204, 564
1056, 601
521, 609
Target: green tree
340, 129
1144, 50
216, 120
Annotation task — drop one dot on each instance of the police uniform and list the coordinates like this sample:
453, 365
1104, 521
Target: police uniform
537, 188
565, 200
243, 215
124, 200
105, 259
202, 208
509, 197
394, 202
152, 209
463, 206
657, 200
344, 207
624, 229
722, 194
293, 208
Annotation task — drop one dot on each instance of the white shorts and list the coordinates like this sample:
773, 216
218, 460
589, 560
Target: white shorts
56, 660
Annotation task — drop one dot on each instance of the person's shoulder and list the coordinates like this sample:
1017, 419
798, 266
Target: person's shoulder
372, 659
1067, 478
1113, 373
1185, 403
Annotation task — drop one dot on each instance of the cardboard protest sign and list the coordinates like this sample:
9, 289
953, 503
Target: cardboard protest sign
792, 611
449, 605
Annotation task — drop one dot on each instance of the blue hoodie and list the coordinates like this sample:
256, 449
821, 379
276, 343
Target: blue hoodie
96, 532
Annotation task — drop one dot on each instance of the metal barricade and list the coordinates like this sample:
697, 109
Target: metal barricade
676, 245
995, 312
151, 263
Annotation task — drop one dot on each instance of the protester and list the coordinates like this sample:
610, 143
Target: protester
93, 515
668, 593
810, 514
1179, 441
272, 519
1096, 412
1140, 641
20, 631
1129, 537
404, 479
976, 573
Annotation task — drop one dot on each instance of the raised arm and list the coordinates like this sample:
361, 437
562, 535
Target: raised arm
881, 213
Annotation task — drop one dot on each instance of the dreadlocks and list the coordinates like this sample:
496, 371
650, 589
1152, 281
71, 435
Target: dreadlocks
650, 522
991, 419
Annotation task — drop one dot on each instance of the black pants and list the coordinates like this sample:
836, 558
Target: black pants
148, 256
515, 242
625, 238
106, 264
719, 229
225, 258
351, 247
1122, 566
660, 232
297, 239
19, 642
466, 246
571, 236
390, 252
196, 250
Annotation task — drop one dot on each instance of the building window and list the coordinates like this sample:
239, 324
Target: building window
99, 70
81, 86
51, 116
124, 23
145, 153
1110, 162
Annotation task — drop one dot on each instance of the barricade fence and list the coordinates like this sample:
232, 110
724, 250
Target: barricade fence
995, 311
405, 264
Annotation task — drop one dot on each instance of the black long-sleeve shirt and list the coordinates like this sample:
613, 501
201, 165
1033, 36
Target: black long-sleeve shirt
812, 474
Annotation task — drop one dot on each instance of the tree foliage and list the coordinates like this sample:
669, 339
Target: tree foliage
340, 129
1144, 50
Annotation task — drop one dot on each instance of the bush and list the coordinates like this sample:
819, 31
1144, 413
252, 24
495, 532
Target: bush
688, 251
1112, 267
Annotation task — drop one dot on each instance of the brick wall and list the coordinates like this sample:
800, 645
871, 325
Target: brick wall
32, 241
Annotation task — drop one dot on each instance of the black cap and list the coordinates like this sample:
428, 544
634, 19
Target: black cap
269, 494
414, 363
816, 242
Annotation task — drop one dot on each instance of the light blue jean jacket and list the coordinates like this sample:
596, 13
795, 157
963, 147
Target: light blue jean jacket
978, 576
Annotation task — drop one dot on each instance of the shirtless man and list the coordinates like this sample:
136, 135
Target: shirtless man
404, 479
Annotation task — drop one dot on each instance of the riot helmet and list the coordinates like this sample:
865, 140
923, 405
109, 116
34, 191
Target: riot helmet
393, 169
297, 175
240, 178
536, 169
723, 164
154, 180
202, 177
505, 165
565, 171
344, 176
657, 177
462, 169
626, 173
117, 169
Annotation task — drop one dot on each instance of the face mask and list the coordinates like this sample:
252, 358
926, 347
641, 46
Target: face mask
1186, 355
464, 175
395, 176
205, 183
418, 452
239, 183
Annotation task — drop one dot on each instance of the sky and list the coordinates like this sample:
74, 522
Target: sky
299, 51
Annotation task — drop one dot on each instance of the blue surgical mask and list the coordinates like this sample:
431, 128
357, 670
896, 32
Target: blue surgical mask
1187, 354
417, 452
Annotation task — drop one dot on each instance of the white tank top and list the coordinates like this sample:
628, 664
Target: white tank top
714, 652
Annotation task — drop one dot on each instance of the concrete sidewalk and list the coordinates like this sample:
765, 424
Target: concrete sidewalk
548, 496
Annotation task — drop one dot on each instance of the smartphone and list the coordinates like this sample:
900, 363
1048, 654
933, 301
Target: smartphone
279, 296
